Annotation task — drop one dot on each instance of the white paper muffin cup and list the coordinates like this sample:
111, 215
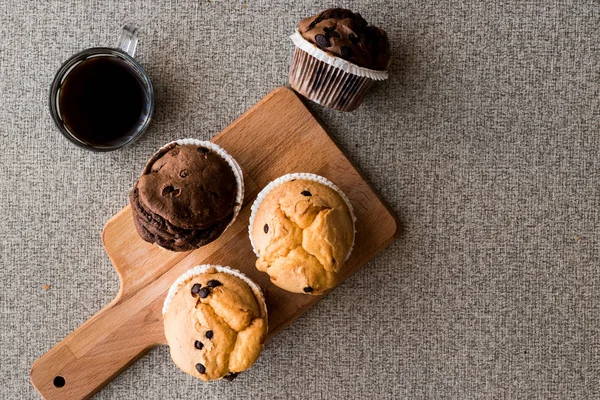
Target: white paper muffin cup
235, 167
328, 80
201, 269
299, 176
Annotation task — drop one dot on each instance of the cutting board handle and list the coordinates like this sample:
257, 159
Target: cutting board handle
97, 351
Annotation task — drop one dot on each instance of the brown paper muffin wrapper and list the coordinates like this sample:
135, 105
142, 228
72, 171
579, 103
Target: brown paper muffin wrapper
328, 80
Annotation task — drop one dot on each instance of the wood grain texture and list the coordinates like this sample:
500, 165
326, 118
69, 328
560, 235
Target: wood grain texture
276, 136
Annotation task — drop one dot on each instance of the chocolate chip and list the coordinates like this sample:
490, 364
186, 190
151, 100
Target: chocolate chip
337, 13
209, 334
308, 289
315, 21
213, 283
346, 52
266, 228
198, 344
202, 150
195, 289
306, 193
331, 32
204, 292
322, 41
200, 368
168, 190
175, 152
184, 173
230, 376
354, 39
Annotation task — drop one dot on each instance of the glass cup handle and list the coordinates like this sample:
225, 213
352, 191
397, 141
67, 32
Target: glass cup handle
128, 40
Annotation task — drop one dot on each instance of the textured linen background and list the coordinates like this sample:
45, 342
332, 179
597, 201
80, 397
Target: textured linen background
484, 142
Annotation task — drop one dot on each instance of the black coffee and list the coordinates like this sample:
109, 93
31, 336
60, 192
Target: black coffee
102, 101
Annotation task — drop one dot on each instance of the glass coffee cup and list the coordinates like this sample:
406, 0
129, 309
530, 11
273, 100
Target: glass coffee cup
101, 99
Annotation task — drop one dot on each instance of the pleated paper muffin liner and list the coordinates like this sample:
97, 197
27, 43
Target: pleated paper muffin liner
235, 167
328, 80
201, 269
299, 176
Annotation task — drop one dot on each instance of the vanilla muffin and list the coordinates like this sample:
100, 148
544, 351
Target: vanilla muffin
302, 231
215, 321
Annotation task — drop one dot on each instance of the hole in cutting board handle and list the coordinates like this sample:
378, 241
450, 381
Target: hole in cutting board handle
59, 381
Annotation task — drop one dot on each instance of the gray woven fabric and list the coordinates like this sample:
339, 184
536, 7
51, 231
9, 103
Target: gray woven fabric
485, 142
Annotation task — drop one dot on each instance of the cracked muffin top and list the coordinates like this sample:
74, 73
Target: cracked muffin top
215, 323
347, 35
303, 232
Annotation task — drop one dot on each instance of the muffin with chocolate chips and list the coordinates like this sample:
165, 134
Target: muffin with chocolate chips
215, 321
337, 59
188, 194
302, 231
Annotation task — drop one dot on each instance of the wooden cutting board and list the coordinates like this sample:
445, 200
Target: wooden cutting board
276, 136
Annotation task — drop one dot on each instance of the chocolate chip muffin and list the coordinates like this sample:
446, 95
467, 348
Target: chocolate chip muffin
188, 194
347, 35
337, 59
302, 230
215, 321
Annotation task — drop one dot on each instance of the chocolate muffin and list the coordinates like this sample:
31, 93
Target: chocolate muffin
188, 194
347, 35
337, 59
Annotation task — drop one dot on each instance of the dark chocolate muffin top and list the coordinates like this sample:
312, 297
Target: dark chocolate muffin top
347, 35
188, 185
155, 229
